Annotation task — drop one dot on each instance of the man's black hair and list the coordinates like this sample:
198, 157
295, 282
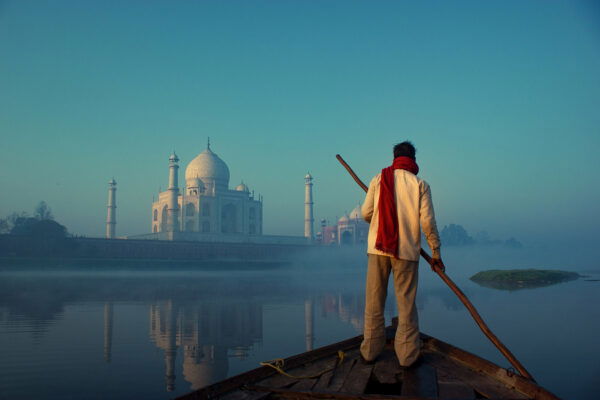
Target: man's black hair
405, 149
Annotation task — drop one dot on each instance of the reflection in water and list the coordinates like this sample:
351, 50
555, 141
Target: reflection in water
347, 307
199, 324
206, 328
205, 332
108, 328
211, 332
309, 321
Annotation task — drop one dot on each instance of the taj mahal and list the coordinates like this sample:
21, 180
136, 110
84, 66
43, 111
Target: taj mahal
206, 204
206, 209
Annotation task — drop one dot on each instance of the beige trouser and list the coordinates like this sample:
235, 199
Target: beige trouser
406, 341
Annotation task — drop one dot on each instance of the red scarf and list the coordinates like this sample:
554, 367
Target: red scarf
387, 232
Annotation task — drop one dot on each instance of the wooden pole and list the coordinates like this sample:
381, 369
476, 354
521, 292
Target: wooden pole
463, 298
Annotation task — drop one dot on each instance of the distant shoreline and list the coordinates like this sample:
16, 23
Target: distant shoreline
9, 264
18, 246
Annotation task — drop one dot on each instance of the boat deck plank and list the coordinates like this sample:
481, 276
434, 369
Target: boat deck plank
452, 388
277, 381
304, 384
483, 384
245, 395
308, 369
420, 381
341, 372
435, 377
324, 381
358, 378
387, 369
455, 390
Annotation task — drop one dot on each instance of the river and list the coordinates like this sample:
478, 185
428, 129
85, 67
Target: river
94, 334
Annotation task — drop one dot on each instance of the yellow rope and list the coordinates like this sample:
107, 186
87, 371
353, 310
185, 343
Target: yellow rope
278, 365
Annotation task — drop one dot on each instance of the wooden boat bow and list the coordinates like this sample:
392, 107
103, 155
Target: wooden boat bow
445, 372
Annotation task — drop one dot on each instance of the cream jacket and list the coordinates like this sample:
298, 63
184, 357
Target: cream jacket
415, 211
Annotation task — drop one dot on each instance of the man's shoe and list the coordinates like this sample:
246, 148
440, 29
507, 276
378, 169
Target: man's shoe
415, 363
365, 361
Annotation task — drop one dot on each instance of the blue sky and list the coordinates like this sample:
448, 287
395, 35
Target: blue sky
500, 98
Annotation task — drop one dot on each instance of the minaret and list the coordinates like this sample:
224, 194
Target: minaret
172, 204
111, 217
308, 208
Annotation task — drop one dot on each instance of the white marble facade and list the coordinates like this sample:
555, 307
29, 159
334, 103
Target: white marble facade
206, 205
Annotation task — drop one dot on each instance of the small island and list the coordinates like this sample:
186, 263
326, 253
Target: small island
513, 279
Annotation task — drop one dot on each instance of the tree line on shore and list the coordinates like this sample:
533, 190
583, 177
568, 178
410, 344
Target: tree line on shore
457, 235
40, 225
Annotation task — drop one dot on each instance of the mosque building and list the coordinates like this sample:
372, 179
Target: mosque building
351, 229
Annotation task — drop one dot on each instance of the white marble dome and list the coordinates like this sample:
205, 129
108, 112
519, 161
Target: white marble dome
195, 183
356, 213
344, 219
209, 168
242, 187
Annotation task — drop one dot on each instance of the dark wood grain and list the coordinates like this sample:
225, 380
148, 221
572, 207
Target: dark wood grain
387, 367
452, 388
455, 390
485, 377
304, 384
501, 375
357, 379
483, 384
341, 372
340, 376
324, 381
420, 381
245, 395
261, 373
293, 394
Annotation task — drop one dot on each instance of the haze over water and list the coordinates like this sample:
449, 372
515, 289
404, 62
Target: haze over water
500, 98
86, 334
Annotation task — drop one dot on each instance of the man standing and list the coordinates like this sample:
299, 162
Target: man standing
398, 205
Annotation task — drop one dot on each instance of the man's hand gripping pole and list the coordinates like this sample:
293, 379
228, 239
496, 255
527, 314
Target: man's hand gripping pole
439, 269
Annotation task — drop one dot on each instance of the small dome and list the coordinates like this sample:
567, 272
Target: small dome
205, 372
242, 187
173, 157
308, 176
112, 182
208, 167
344, 219
356, 213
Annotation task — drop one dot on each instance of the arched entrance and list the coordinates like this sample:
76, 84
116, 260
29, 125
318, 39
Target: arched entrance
228, 219
347, 238
189, 225
163, 219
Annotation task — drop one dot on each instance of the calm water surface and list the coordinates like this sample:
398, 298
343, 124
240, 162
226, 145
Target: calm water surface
96, 335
